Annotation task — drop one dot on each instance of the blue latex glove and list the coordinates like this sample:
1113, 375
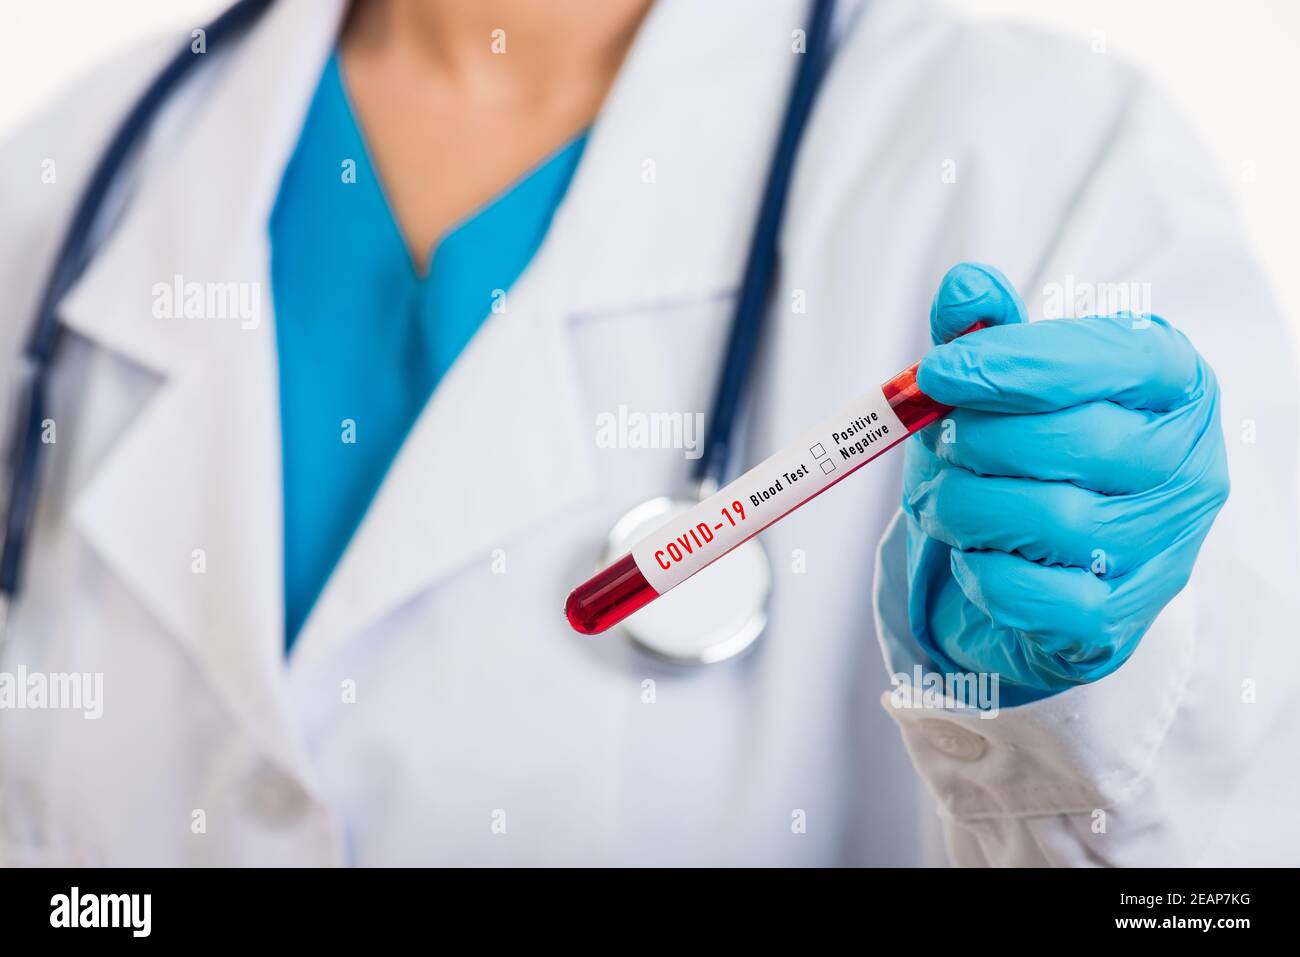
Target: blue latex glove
1062, 504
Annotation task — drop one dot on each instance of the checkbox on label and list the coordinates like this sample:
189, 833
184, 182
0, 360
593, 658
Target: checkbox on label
828, 466
818, 450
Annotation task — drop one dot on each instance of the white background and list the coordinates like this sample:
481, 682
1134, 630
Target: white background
1232, 65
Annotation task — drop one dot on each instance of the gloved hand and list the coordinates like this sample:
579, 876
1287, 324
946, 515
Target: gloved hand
1062, 503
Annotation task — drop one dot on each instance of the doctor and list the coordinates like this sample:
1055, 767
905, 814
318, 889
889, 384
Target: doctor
322, 458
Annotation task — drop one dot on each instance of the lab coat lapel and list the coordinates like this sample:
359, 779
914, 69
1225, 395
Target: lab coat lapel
499, 448
186, 507
659, 211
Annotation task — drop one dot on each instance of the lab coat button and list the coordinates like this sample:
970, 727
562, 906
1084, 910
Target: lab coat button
954, 741
274, 796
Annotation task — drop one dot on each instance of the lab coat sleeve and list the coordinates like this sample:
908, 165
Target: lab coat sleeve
1181, 756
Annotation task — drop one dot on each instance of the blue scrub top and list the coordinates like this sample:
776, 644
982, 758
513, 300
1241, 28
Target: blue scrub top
362, 338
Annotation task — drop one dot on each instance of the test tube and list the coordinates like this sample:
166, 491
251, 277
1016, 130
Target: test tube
824, 455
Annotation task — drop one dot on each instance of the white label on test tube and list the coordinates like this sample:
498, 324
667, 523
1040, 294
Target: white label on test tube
818, 459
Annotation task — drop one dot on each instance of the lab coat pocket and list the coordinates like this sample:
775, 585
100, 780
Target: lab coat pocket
647, 379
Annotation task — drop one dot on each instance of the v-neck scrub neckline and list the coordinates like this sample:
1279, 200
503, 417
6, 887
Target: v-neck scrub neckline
559, 163
362, 338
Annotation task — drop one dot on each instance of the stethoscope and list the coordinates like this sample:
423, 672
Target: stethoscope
719, 629
722, 611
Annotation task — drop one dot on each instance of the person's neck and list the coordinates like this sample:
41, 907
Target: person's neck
500, 50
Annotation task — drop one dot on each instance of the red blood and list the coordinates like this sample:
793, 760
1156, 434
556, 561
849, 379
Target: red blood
608, 597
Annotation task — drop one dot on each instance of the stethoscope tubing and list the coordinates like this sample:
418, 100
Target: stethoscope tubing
760, 265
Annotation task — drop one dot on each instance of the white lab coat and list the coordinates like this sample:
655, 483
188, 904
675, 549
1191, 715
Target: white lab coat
483, 731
